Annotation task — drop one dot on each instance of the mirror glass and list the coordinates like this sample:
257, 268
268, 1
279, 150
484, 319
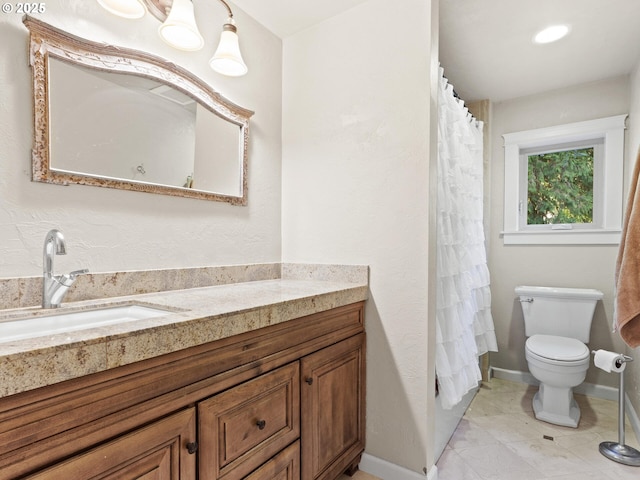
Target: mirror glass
119, 118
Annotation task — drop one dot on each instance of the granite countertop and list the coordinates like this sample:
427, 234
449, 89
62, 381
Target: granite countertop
195, 316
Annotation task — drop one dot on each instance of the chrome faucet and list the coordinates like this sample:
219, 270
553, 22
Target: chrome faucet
55, 287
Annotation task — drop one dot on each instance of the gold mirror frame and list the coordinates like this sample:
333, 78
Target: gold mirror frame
47, 41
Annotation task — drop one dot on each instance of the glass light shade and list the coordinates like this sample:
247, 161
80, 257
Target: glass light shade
179, 29
228, 60
124, 8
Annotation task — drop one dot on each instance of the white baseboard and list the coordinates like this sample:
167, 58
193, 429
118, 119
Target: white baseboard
433, 473
589, 389
512, 375
390, 471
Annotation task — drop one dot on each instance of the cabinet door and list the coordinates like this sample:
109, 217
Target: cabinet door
332, 403
284, 466
243, 427
156, 452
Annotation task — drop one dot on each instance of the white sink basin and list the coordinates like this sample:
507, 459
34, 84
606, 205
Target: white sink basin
43, 325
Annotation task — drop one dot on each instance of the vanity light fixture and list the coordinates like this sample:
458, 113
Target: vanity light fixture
179, 29
124, 8
551, 34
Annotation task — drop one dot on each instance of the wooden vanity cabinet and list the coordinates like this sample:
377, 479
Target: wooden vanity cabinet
284, 402
333, 393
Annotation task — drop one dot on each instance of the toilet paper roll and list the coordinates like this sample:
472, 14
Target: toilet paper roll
609, 361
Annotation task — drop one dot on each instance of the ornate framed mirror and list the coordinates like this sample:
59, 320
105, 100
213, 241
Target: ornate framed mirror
120, 118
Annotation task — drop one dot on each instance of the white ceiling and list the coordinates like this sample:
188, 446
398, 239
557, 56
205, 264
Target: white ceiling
487, 52
485, 45
286, 17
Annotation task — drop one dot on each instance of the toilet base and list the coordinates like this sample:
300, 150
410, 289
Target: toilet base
556, 405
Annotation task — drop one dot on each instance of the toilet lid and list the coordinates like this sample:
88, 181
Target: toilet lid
557, 348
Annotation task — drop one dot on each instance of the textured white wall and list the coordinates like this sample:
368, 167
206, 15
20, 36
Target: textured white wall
107, 229
585, 266
356, 190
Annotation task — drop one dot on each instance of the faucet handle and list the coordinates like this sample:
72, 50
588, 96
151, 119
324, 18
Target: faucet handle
68, 278
75, 273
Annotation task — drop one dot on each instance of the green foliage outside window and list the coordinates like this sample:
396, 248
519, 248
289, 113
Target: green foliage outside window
560, 187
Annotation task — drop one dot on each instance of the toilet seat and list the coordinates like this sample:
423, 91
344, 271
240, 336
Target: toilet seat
557, 350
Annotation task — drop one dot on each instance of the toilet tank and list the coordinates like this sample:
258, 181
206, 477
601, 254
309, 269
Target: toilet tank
566, 312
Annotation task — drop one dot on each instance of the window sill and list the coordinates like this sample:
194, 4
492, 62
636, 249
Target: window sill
563, 237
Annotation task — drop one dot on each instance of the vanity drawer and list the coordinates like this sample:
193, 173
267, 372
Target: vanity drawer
284, 466
159, 450
243, 427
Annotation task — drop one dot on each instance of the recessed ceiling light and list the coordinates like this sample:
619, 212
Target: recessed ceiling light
551, 34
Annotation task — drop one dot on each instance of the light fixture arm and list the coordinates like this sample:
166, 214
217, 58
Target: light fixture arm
160, 8
228, 8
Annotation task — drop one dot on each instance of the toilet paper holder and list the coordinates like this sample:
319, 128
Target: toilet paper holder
624, 359
619, 451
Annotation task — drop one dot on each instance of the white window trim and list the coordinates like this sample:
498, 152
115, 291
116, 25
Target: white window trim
611, 130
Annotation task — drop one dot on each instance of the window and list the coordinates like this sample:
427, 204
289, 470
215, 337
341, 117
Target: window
563, 184
560, 186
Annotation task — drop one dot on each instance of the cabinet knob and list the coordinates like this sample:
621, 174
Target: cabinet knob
261, 424
309, 380
192, 447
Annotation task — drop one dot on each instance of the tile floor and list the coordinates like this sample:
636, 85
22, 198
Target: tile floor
500, 439
359, 475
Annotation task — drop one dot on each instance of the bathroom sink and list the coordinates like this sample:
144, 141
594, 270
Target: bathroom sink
62, 322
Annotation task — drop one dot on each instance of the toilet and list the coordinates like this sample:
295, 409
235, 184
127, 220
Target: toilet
557, 324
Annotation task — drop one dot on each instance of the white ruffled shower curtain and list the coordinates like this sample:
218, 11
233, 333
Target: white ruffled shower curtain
464, 325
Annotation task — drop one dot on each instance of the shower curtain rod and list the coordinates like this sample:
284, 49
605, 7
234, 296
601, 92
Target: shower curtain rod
459, 98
